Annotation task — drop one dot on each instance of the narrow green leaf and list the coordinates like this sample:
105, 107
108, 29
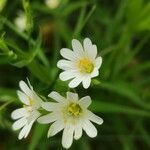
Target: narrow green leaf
106, 107
38, 132
126, 90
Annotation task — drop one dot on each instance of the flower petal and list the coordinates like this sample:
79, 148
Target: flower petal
30, 86
19, 123
90, 48
95, 73
23, 97
56, 96
50, 106
94, 118
18, 113
86, 82
67, 137
87, 44
98, 62
75, 82
65, 64
56, 127
90, 129
24, 87
85, 101
78, 132
67, 75
48, 118
94, 51
33, 116
77, 47
67, 53
72, 96
29, 128
24, 131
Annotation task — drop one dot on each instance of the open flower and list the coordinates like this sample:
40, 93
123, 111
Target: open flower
21, 21
81, 65
70, 114
29, 113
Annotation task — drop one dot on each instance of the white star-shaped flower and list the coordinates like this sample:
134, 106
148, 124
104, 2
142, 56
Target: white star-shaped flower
70, 114
81, 64
28, 114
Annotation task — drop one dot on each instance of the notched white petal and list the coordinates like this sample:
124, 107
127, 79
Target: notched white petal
56, 127
75, 82
94, 118
67, 75
24, 87
77, 47
48, 118
85, 101
86, 82
23, 97
72, 96
18, 113
28, 129
95, 73
65, 64
23, 132
56, 96
98, 62
67, 53
90, 129
78, 132
50, 106
87, 44
29, 84
67, 138
19, 123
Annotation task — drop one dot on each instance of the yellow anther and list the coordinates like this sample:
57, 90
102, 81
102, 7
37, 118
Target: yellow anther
30, 101
74, 109
85, 65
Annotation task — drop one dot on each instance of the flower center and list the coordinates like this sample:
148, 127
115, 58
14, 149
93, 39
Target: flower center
74, 109
85, 65
30, 101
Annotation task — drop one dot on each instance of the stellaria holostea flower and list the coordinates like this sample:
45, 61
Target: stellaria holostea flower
81, 64
70, 114
28, 114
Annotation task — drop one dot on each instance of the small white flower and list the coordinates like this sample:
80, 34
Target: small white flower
20, 21
81, 65
29, 113
2, 4
52, 3
70, 114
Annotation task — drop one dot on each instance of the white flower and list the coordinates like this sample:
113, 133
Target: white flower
70, 114
21, 21
2, 4
52, 3
29, 113
81, 65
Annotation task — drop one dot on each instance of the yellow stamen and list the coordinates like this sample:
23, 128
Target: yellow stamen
74, 109
30, 101
85, 65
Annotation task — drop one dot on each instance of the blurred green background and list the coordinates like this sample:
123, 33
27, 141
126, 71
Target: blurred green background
120, 94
